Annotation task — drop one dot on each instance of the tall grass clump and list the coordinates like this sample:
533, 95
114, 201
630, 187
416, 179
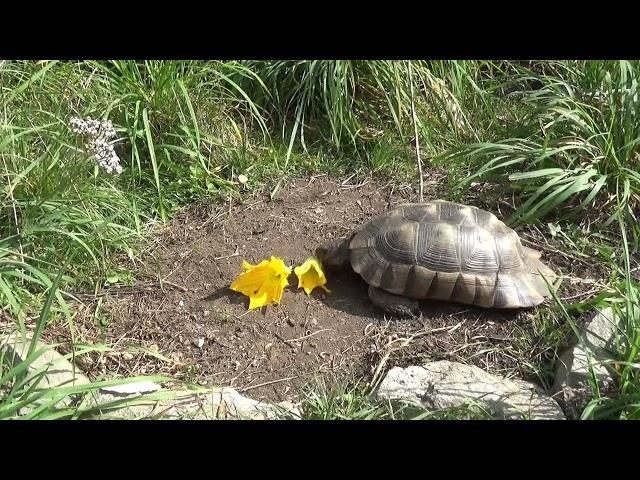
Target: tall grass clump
575, 142
176, 124
180, 119
351, 106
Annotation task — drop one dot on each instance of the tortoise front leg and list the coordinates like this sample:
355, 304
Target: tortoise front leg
393, 304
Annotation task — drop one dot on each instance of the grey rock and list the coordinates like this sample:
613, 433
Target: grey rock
215, 404
59, 371
588, 353
444, 384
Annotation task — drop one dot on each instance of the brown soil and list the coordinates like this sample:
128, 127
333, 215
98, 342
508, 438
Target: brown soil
193, 326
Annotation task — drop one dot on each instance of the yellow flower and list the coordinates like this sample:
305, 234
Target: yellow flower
310, 275
262, 283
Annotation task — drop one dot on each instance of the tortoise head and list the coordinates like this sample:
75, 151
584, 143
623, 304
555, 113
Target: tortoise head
334, 255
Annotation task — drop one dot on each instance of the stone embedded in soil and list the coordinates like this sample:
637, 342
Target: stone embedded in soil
444, 384
59, 371
572, 381
216, 404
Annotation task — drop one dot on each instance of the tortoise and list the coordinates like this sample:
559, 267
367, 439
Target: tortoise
440, 250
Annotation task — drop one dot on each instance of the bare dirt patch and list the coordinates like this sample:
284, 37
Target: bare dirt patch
184, 320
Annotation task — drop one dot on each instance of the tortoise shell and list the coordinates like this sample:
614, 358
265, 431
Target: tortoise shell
446, 251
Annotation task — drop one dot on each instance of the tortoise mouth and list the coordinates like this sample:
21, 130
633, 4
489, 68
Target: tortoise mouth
334, 255
325, 257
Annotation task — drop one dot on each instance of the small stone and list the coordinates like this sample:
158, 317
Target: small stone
127, 356
313, 322
181, 303
243, 179
206, 313
85, 360
153, 348
199, 342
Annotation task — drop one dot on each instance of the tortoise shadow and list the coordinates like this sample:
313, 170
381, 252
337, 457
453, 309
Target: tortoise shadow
349, 294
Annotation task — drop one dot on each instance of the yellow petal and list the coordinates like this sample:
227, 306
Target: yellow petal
257, 301
310, 275
246, 265
262, 283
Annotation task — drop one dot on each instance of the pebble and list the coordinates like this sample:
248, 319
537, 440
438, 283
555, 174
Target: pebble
86, 360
